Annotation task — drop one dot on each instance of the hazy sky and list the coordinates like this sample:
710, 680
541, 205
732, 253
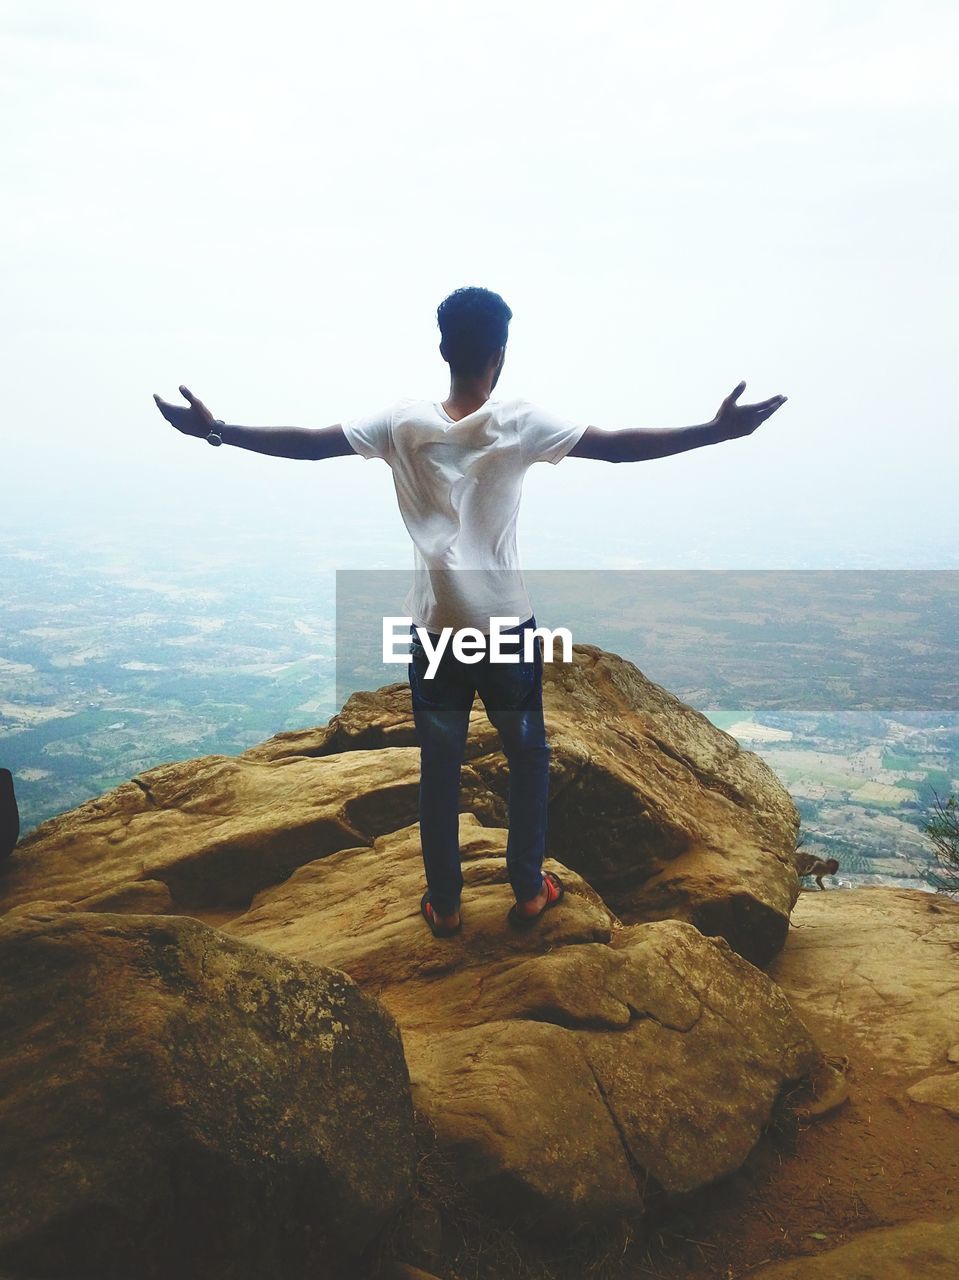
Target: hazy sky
267, 202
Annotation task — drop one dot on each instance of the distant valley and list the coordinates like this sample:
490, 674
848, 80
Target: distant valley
845, 682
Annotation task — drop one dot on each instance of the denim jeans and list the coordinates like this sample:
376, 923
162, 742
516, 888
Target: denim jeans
512, 694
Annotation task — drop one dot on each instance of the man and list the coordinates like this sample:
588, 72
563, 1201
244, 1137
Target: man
458, 469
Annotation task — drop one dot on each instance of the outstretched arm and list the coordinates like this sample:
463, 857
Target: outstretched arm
637, 444
195, 419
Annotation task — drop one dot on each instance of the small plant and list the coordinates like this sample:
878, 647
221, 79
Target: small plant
943, 831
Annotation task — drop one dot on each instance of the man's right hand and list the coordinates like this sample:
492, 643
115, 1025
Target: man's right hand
193, 419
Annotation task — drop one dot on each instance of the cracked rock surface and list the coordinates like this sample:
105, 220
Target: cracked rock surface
562, 1067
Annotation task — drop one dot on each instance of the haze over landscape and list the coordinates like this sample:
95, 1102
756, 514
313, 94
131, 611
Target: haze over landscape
668, 199
240, 1040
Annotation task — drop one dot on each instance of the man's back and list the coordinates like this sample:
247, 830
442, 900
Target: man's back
459, 485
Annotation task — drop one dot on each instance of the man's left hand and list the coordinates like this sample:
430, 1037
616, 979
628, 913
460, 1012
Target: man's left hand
735, 420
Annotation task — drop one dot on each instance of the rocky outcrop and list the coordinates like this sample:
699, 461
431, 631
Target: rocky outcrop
628, 1043
665, 815
175, 1102
214, 830
568, 1070
662, 813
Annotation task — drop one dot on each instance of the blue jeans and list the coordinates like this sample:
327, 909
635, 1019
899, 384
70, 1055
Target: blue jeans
512, 694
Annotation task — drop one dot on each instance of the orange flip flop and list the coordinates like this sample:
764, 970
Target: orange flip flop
559, 892
426, 909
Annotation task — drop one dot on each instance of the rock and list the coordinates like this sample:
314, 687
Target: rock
938, 1091
175, 1102
9, 815
213, 830
953, 1054
874, 970
135, 897
368, 720
40, 909
915, 1251
562, 1067
665, 815
662, 813
418, 1233
363, 905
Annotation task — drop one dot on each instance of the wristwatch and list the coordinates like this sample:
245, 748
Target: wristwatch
214, 436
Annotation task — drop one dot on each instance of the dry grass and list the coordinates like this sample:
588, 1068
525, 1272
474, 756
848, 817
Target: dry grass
464, 1241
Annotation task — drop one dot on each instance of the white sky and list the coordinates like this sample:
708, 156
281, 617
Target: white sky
267, 202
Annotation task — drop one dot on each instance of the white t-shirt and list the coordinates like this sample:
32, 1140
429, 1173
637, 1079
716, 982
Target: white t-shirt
459, 485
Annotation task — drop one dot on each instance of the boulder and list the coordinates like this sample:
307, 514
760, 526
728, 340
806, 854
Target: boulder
176, 1102
568, 1068
662, 813
368, 720
665, 815
938, 1091
213, 830
135, 897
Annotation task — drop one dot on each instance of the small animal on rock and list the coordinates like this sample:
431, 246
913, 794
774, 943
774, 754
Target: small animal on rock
807, 865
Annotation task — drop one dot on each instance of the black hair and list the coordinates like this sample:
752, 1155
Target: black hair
474, 324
